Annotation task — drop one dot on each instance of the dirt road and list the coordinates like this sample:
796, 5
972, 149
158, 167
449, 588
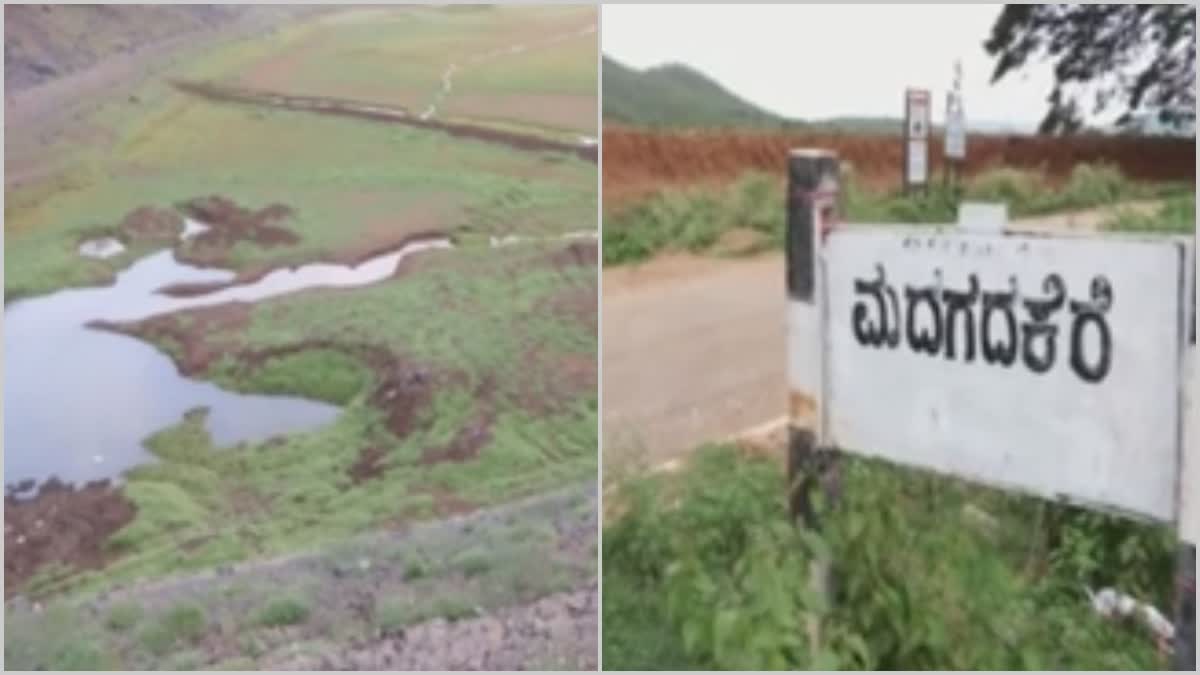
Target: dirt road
694, 351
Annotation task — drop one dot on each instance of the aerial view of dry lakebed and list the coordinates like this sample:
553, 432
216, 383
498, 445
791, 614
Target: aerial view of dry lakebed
300, 337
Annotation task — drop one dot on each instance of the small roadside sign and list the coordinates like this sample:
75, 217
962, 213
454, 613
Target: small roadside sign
917, 121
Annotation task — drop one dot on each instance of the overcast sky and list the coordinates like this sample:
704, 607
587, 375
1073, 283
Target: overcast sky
816, 61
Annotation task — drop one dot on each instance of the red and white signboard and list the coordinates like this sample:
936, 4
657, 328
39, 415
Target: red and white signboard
917, 120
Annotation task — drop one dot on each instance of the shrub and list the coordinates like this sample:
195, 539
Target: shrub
284, 611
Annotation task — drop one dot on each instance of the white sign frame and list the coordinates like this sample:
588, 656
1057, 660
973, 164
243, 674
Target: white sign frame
1138, 481
918, 118
956, 133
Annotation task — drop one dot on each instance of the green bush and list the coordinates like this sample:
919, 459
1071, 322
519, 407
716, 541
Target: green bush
123, 616
473, 562
1177, 215
1095, 184
1015, 187
284, 611
694, 219
181, 624
705, 571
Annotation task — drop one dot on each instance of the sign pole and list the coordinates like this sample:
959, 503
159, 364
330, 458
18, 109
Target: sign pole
812, 210
1185, 562
1185, 608
955, 145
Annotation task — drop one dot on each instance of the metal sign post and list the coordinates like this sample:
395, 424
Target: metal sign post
955, 145
1189, 502
917, 119
812, 212
1052, 366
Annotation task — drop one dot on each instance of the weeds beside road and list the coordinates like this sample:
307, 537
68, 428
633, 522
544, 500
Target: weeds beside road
703, 570
747, 216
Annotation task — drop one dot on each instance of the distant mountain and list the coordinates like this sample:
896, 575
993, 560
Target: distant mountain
675, 95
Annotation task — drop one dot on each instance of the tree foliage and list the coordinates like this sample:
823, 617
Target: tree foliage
1139, 57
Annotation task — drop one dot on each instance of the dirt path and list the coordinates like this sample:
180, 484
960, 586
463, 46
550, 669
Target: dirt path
487, 57
694, 348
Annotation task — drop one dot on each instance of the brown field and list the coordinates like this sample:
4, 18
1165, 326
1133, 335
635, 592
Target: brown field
637, 162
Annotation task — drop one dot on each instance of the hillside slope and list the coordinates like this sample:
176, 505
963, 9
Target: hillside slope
42, 42
675, 95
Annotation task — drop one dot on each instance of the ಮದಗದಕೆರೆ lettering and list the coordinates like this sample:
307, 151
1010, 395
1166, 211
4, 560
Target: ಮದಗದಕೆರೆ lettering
961, 323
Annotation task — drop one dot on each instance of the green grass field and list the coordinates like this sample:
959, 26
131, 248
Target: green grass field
475, 320
352, 184
508, 335
397, 56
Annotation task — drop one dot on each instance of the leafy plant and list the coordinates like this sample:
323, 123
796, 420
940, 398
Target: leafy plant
284, 611
704, 570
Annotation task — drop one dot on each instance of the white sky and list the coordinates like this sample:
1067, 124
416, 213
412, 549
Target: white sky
816, 61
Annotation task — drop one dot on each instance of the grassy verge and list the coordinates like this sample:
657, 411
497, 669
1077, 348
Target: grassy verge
1177, 215
704, 571
748, 216
357, 590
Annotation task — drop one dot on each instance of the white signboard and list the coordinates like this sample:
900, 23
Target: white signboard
917, 113
1047, 365
918, 170
917, 119
956, 133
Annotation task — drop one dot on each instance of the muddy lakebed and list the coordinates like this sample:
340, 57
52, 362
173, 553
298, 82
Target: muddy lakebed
83, 399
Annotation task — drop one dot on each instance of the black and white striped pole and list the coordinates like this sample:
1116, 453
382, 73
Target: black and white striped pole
813, 209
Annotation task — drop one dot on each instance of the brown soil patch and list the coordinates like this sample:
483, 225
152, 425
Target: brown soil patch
469, 440
151, 224
229, 223
403, 392
446, 503
576, 253
61, 524
206, 337
368, 465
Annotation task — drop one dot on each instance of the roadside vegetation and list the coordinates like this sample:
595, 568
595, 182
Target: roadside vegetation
1176, 215
362, 588
747, 216
703, 570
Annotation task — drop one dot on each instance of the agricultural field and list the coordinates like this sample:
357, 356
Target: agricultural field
342, 327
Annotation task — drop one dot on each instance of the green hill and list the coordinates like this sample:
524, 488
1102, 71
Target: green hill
675, 95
